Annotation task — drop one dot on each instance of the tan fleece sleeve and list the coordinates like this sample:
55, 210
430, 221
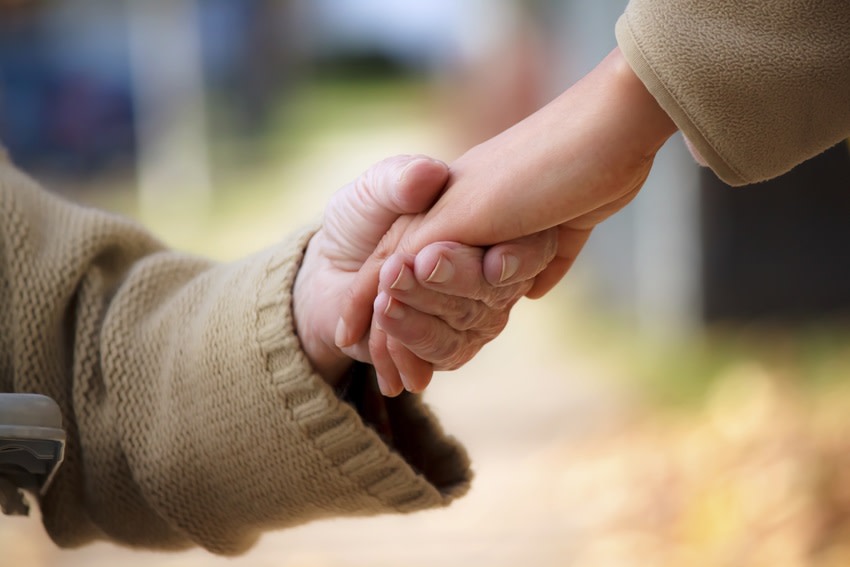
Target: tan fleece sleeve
194, 417
757, 87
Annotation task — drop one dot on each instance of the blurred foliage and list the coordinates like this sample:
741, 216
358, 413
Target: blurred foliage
316, 106
332, 102
681, 371
736, 454
754, 474
321, 134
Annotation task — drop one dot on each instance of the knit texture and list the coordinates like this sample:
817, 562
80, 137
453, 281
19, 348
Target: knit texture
757, 87
193, 415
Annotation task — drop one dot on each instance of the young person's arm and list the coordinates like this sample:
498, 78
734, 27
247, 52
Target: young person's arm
569, 166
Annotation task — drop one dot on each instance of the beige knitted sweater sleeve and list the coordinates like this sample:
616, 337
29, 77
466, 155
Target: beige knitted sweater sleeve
757, 87
194, 417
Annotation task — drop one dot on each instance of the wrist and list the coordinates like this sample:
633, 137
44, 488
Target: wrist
315, 320
591, 146
638, 112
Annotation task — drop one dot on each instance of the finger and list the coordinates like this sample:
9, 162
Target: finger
356, 312
361, 212
453, 270
570, 243
572, 237
449, 267
419, 185
460, 313
430, 338
596, 216
415, 373
520, 259
389, 381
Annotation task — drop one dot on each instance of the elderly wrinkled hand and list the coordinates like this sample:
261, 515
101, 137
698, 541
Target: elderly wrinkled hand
436, 309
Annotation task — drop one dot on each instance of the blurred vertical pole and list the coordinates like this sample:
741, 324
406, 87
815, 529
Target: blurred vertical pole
609, 259
668, 253
646, 260
168, 94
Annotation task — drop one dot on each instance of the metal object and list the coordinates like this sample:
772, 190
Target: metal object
32, 446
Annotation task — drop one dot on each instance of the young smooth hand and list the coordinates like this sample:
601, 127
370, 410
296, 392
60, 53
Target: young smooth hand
565, 168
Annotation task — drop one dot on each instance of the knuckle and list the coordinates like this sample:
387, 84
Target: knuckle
449, 350
471, 318
463, 314
425, 342
507, 296
470, 346
497, 324
449, 346
439, 347
466, 315
364, 183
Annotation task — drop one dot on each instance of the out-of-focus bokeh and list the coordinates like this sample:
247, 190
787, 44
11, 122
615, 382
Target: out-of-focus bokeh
681, 399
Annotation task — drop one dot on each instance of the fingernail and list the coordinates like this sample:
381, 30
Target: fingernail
408, 385
442, 271
341, 334
382, 385
405, 381
405, 280
385, 389
407, 167
394, 309
510, 265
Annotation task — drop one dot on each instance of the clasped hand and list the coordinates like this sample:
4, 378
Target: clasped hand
387, 264
433, 310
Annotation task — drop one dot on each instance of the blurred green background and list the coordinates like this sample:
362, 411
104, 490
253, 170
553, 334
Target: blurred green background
680, 399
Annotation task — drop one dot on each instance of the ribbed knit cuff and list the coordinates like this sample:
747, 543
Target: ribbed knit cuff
334, 427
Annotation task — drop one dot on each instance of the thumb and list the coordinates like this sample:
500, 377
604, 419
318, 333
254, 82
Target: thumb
361, 213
